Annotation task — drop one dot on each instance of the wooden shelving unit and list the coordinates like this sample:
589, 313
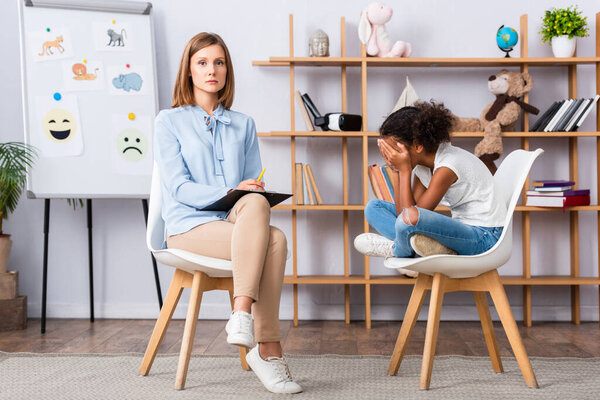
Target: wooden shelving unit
526, 280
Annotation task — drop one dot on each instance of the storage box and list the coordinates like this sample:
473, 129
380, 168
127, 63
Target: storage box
13, 314
9, 285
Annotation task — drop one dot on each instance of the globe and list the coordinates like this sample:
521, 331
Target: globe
506, 39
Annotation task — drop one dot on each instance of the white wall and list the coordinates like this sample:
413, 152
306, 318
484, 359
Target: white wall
124, 285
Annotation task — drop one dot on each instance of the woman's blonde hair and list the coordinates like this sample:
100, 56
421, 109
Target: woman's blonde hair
183, 93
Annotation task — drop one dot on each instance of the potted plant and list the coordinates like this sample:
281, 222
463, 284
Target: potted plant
15, 158
561, 26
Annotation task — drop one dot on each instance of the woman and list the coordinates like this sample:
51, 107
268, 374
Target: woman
203, 151
416, 140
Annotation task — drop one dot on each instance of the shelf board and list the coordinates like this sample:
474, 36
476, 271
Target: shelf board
322, 207
325, 279
549, 280
424, 62
453, 134
546, 280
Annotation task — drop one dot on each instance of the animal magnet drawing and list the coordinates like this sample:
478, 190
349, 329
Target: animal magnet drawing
47, 46
116, 38
80, 71
128, 82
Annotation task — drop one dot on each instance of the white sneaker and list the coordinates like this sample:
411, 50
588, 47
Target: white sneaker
426, 246
272, 372
239, 329
372, 244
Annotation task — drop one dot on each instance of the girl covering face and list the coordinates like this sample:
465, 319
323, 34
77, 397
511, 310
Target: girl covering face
416, 141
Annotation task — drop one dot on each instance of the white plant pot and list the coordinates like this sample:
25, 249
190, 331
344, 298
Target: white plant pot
562, 46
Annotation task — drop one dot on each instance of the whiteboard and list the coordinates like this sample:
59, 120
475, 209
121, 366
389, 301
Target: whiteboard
89, 97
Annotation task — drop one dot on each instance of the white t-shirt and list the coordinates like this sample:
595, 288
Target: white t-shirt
472, 198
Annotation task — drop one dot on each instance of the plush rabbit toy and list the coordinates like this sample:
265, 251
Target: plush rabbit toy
371, 31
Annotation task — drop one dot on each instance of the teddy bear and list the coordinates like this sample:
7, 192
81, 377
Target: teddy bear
372, 32
498, 116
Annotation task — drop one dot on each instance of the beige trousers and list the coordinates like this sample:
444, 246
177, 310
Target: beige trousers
258, 254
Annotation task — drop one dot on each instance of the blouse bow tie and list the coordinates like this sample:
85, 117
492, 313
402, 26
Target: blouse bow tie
211, 125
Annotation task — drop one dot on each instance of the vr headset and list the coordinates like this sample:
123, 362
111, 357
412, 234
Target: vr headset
333, 121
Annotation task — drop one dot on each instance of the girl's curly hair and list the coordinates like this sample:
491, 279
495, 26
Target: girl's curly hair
425, 123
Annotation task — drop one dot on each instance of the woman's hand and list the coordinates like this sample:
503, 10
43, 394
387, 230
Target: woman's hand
396, 157
251, 184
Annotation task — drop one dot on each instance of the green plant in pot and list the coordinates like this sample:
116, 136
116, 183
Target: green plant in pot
560, 27
15, 158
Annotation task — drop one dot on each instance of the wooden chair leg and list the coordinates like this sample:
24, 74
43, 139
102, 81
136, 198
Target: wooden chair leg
488, 330
243, 351
162, 323
189, 331
433, 323
408, 323
510, 327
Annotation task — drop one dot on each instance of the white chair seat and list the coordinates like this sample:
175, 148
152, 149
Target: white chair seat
456, 266
191, 262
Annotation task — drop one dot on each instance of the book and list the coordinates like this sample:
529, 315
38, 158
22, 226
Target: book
562, 122
558, 201
587, 110
393, 177
373, 180
553, 188
299, 185
557, 115
544, 117
551, 183
227, 202
314, 184
553, 109
309, 192
571, 126
560, 193
304, 112
383, 187
388, 181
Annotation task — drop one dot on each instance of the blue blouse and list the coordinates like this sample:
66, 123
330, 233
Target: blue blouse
200, 162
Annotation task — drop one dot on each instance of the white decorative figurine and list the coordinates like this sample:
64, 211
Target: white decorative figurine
318, 44
371, 31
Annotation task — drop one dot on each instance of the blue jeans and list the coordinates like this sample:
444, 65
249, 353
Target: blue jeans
464, 239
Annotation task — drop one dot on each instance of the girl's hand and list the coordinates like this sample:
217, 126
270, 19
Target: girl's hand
396, 157
251, 184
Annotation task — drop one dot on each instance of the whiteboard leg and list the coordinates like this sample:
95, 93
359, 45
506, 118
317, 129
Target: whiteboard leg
91, 260
45, 262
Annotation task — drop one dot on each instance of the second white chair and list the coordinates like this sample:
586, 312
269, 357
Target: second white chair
448, 273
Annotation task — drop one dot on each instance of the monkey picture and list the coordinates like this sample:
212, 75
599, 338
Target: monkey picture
116, 38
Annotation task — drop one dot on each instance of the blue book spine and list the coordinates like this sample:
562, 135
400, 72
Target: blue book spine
387, 181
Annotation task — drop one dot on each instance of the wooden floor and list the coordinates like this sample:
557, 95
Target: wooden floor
310, 337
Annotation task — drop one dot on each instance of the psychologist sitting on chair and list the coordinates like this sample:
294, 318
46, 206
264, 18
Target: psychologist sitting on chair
416, 139
203, 150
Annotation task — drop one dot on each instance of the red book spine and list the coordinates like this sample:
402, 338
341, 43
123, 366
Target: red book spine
572, 201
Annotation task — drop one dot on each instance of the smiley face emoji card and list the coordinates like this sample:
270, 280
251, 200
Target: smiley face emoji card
59, 127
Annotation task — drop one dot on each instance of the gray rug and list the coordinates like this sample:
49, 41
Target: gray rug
97, 376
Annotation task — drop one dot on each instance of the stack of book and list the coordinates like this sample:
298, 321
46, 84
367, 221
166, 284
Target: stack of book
306, 180
557, 194
383, 182
565, 115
